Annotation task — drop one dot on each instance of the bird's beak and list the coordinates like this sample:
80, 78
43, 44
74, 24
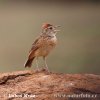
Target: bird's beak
57, 26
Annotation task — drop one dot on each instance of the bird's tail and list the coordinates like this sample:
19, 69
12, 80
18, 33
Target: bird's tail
28, 63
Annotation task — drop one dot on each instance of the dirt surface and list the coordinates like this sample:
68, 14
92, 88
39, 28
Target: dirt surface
41, 85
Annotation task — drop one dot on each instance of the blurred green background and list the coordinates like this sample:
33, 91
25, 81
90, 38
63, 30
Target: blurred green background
78, 49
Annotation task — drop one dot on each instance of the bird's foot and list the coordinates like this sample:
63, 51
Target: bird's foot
46, 70
37, 70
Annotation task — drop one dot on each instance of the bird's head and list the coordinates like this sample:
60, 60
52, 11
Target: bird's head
49, 29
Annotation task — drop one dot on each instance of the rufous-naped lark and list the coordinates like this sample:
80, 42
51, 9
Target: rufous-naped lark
43, 45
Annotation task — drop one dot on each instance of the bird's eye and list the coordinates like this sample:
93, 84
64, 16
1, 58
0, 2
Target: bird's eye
50, 27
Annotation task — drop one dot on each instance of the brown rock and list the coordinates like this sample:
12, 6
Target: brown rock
33, 85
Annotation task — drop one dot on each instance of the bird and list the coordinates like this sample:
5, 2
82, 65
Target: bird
43, 45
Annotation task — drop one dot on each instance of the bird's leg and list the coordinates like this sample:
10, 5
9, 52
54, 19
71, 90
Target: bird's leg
46, 64
37, 63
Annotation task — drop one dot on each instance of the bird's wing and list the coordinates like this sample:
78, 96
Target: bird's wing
36, 45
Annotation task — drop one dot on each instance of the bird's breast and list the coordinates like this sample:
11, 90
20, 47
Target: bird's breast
47, 45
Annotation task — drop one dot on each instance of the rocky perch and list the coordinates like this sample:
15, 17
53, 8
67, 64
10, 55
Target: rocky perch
41, 85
